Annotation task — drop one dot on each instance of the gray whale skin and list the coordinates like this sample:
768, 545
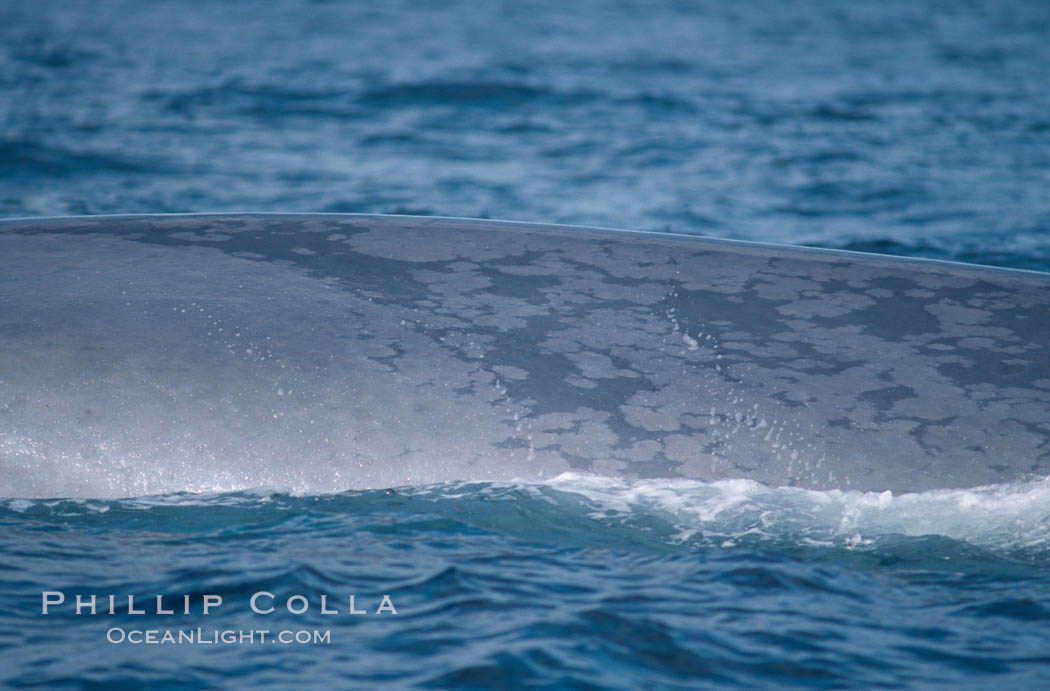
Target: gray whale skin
153, 354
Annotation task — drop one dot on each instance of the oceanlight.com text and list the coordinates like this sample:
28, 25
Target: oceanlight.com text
198, 636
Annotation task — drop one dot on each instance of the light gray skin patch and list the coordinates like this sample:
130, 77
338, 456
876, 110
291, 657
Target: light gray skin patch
323, 352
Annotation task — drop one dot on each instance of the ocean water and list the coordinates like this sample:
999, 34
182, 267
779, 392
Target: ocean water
580, 582
917, 128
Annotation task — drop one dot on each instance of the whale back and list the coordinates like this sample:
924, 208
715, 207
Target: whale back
154, 354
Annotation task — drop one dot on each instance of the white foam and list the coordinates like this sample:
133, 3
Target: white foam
1009, 515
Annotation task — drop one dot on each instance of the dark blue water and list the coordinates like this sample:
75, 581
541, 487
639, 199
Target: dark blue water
915, 128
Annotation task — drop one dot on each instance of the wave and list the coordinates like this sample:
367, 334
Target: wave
588, 511
490, 94
28, 158
998, 516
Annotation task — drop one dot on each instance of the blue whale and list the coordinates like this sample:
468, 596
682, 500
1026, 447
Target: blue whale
316, 353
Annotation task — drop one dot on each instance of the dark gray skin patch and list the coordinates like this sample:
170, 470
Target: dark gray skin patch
883, 399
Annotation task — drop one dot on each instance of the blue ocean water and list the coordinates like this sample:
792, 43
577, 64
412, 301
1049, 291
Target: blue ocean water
897, 126
916, 128
581, 582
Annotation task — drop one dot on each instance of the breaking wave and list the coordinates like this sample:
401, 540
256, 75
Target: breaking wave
588, 510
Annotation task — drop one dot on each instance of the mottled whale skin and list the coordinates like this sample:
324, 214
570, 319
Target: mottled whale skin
152, 354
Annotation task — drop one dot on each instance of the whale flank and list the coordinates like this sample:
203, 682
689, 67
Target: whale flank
320, 353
